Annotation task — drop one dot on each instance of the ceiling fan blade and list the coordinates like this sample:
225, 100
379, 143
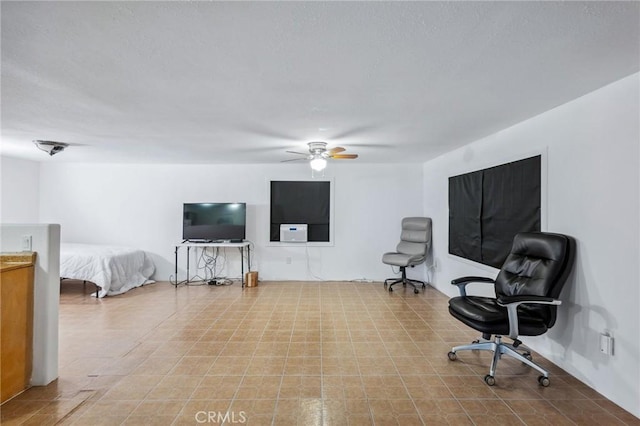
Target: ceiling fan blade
299, 153
335, 150
344, 156
372, 145
293, 159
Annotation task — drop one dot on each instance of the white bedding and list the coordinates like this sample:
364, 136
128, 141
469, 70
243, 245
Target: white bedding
114, 269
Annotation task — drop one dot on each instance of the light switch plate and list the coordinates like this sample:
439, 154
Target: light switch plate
26, 243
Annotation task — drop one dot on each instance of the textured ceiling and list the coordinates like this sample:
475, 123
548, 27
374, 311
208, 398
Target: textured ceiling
241, 82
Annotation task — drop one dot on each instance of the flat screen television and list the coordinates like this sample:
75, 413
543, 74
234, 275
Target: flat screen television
214, 221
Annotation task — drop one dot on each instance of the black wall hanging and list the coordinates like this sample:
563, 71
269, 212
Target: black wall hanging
488, 207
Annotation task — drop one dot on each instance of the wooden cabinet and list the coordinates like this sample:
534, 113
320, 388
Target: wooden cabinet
16, 305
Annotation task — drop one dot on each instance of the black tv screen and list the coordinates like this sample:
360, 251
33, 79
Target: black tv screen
214, 221
301, 202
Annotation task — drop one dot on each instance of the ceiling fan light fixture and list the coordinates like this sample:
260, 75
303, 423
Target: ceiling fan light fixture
319, 154
318, 163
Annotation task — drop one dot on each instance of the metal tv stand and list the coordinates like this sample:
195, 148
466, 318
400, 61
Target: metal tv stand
220, 244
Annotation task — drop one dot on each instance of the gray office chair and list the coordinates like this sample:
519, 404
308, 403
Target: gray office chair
412, 250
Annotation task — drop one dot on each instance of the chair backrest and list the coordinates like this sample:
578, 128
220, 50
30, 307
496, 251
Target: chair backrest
539, 264
415, 238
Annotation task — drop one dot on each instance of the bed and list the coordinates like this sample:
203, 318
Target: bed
114, 270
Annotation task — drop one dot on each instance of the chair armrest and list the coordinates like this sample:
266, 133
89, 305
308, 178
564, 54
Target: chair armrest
463, 281
542, 300
512, 303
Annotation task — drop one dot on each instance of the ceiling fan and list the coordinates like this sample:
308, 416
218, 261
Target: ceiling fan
318, 155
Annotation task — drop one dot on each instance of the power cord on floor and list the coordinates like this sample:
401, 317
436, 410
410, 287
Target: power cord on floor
306, 247
220, 281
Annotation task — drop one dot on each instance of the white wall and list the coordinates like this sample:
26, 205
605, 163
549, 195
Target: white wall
19, 190
141, 206
593, 188
46, 297
19, 209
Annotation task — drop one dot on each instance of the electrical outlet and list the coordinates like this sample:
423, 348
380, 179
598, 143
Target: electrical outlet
26, 243
288, 260
606, 344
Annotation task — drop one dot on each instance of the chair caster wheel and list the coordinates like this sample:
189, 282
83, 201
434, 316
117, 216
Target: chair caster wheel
390, 289
424, 286
490, 380
527, 356
416, 291
452, 356
544, 381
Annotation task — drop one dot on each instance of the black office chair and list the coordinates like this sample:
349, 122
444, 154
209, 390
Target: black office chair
527, 290
412, 250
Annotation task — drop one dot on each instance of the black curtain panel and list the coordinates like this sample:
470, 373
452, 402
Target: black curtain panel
465, 212
300, 202
488, 207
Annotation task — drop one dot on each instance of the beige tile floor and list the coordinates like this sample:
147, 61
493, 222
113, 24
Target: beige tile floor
286, 353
